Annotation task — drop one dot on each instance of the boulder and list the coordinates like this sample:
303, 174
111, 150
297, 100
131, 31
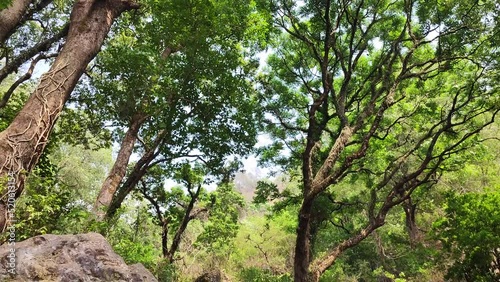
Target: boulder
71, 258
214, 276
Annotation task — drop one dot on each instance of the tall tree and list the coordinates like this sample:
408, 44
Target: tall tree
22, 143
174, 209
381, 92
180, 77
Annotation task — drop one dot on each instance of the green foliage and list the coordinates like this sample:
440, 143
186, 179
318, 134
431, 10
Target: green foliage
208, 219
264, 245
40, 25
82, 170
265, 192
190, 66
59, 191
166, 271
80, 219
253, 274
268, 194
75, 127
46, 201
470, 233
15, 104
183, 66
62, 184
222, 226
136, 252
5, 3
133, 236
373, 101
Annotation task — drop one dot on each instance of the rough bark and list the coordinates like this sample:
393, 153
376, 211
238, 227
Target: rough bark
22, 143
117, 173
10, 18
302, 244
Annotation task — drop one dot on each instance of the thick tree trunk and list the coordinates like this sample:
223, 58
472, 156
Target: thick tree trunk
10, 18
117, 173
307, 271
135, 175
22, 143
303, 245
133, 178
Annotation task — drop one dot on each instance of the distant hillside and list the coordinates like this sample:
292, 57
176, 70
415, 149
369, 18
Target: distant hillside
245, 183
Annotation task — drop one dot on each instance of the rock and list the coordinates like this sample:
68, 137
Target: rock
71, 258
214, 276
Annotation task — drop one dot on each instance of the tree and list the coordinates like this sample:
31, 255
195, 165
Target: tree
22, 143
37, 36
60, 189
470, 231
388, 95
221, 227
167, 86
64, 181
174, 209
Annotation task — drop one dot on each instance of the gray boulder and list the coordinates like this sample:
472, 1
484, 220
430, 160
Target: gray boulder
71, 258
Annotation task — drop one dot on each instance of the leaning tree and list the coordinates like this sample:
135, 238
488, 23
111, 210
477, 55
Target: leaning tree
22, 143
385, 94
174, 84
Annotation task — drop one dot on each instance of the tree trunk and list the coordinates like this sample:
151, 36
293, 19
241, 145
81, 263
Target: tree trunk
302, 246
10, 18
117, 173
132, 179
164, 238
176, 241
307, 271
135, 175
411, 226
22, 143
